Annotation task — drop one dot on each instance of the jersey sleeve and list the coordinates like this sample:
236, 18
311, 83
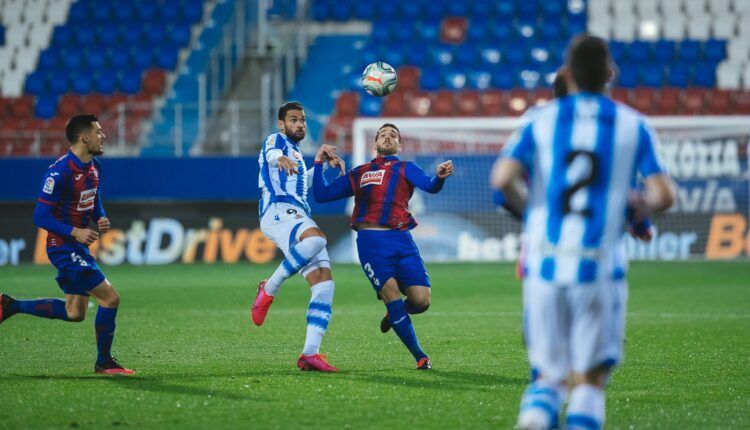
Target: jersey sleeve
98, 206
273, 149
340, 188
647, 160
415, 175
521, 146
52, 184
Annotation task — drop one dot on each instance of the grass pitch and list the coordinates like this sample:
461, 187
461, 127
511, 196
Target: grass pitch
201, 363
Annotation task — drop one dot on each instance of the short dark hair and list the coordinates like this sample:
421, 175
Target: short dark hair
589, 62
387, 124
559, 86
286, 107
78, 125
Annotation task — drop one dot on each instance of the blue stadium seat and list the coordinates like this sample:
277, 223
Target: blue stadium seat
455, 79
441, 54
478, 29
514, 54
84, 36
124, 12
435, 11
180, 35
639, 51
319, 10
458, 8
48, 59
576, 23
146, 11
130, 81
664, 51
501, 32
370, 54
628, 77
411, 10
95, 58
429, 29
63, 35
530, 79
35, 83
166, 57
551, 29
141, 57
72, 59
505, 9
465, 55
364, 11
82, 81
690, 51
78, 13
552, 10
118, 58
383, 33
679, 75
57, 84
403, 31
430, 79
193, 11
705, 75
715, 50
155, 33
652, 75
106, 35
528, 10
619, 52
416, 54
480, 79
370, 106
46, 107
504, 78
340, 11
387, 11
101, 13
130, 35
105, 81
490, 54
480, 9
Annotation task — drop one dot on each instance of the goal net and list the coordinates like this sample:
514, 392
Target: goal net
707, 157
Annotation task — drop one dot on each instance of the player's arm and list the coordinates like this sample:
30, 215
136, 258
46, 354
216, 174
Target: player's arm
507, 172
431, 184
99, 215
43, 212
340, 188
272, 151
658, 188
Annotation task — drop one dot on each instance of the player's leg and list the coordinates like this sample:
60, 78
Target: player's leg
44, 308
547, 321
299, 238
597, 335
105, 326
401, 322
412, 277
417, 301
318, 275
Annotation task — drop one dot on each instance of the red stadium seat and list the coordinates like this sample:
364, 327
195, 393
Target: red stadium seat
642, 100
494, 103
621, 95
347, 104
338, 129
518, 101
57, 123
693, 101
418, 104
111, 102
719, 101
4, 107
154, 81
93, 103
408, 78
742, 101
22, 107
541, 96
394, 105
469, 103
668, 101
443, 103
453, 30
69, 105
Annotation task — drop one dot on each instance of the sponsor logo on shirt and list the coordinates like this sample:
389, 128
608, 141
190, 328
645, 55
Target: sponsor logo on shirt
87, 200
372, 178
49, 185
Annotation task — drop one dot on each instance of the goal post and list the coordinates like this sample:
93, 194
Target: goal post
707, 156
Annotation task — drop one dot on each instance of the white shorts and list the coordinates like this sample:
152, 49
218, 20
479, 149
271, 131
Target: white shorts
574, 328
283, 223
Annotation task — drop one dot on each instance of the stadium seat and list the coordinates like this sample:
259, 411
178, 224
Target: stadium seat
664, 51
643, 100
419, 104
652, 75
628, 77
668, 101
693, 101
68, 105
394, 105
430, 79
639, 51
621, 95
705, 75
719, 102
347, 105
92, 103
455, 79
742, 101
46, 107
408, 78
453, 30
690, 50
715, 50
468, 103
479, 79
371, 106
443, 104
493, 103
679, 75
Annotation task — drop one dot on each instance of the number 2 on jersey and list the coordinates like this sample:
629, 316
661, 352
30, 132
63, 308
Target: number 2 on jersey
586, 180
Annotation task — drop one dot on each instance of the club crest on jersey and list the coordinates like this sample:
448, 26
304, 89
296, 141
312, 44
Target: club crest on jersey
49, 185
87, 199
372, 178
296, 155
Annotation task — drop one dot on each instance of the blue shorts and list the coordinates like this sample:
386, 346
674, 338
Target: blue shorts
77, 271
386, 254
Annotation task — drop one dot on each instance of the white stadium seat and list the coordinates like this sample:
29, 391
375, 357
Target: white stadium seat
728, 76
699, 27
738, 51
695, 7
723, 27
674, 28
746, 77
720, 7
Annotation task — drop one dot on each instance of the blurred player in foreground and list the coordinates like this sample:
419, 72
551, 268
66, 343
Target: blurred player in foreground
389, 257
285, 219
582, 153
68, 202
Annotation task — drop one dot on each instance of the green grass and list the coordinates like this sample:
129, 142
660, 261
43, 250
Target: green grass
201, 364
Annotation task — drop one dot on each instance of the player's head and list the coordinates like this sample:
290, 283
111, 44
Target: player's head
292, 121
85, 130
388, 140
589, 64
560, 86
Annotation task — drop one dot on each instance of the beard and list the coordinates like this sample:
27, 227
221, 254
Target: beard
387, 150
297, 135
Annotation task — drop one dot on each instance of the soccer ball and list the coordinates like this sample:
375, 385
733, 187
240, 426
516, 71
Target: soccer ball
379, 79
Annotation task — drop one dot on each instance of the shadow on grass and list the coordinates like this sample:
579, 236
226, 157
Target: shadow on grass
443, 379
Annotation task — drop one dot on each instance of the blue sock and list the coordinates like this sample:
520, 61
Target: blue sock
45, 308
404, 329
105, 333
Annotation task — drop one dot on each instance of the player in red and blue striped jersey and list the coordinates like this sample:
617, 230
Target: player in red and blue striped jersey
389, 257
68, 202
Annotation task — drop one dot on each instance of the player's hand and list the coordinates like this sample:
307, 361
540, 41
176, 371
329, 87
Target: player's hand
287, 165
639, 226
337, 161
85, 236
445, 169
103, 224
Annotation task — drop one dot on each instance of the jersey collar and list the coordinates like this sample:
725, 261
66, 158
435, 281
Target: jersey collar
77, 161
386, 158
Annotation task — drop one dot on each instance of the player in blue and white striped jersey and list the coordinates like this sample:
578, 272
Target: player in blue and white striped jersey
582, 153
285, 219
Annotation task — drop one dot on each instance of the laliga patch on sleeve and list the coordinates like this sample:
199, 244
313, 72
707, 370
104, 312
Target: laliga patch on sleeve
49, 185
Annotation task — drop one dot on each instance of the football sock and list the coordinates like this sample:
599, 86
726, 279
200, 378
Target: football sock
301, 253
414, 309
105, 333
45, 308
586, 408
404, 329
541, 403
318, 315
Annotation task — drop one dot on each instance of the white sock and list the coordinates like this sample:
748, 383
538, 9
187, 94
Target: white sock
302, 252
540, 404
586, 408
318, 315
